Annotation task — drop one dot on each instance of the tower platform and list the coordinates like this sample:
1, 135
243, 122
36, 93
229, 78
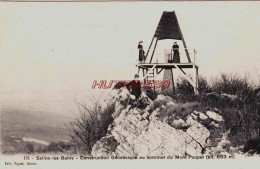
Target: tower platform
156, 68
167, 65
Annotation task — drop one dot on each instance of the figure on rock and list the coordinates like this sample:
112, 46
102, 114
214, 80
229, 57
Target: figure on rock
134, 87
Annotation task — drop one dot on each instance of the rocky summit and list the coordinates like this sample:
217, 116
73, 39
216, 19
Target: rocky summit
146, 127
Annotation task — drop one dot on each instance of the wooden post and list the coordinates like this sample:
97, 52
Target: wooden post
143, 75
149, 49
183, 41
194, 78
171, 56
197, 80
153, 38
154, 50
173, 83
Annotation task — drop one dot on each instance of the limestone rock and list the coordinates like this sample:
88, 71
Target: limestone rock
146, 127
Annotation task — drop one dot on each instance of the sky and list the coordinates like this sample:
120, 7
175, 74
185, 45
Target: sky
52, 52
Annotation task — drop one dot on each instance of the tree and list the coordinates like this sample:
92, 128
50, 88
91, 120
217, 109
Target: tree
90, 126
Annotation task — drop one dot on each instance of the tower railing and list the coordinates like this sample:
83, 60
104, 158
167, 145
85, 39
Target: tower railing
160, 54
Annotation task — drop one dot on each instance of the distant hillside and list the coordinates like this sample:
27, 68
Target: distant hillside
38, 125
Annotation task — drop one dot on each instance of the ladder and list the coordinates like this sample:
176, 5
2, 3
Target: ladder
150, 82
149, 77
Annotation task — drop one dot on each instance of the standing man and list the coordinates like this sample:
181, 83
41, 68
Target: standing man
176, 54
141, 51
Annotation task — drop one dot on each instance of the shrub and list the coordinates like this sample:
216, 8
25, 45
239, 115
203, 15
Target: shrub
29, 148
151, 94
241, 115
90, 126
184, 87
231, 84
203, 85
252, 146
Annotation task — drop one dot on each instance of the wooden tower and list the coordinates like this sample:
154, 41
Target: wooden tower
168, 28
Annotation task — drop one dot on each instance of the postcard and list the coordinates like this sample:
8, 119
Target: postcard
116, 84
